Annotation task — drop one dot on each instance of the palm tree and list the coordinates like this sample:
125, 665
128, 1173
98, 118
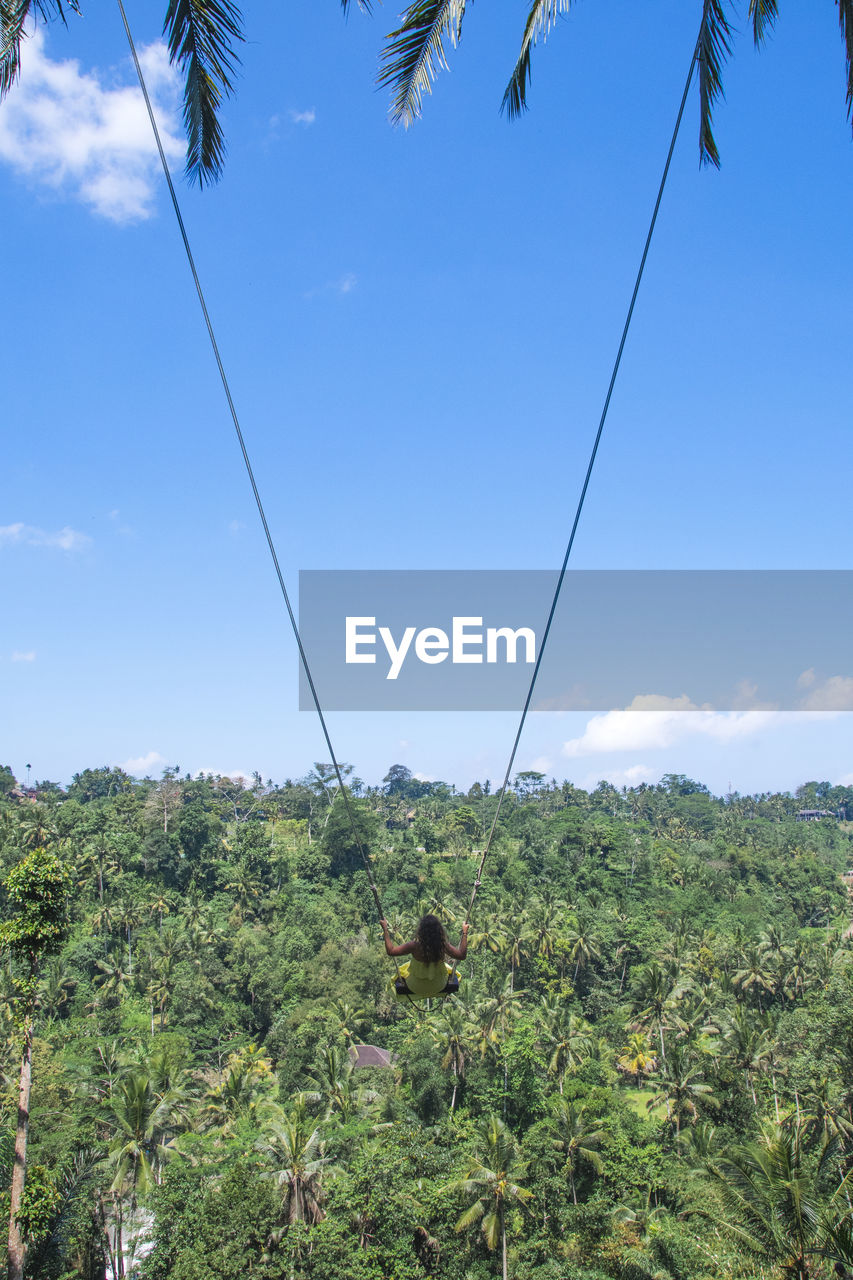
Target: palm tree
99, 859
492, 1177
159, 907
246, 888
113, 980
748, 1046
776, 1204
295, 1147
241, 1090
636, 1057
514, 943
202, 35
143, 1123
576, 1136
570, 1043
351, 1020
682, 1087
454, 1031
129, 916
654, 988
38, 828
753, 975
417, 51
582, 949
335, 1085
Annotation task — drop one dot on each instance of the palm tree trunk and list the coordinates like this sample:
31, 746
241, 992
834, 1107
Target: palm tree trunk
503, 1243
102, 1219
455, 1086
17, 1247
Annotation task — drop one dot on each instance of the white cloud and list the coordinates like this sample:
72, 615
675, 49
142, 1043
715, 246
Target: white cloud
66, 539
631, 777
302, 117
63, 128
343, 285
663, 722
235, 775
542, 764
28, 656
834, 694
143, 766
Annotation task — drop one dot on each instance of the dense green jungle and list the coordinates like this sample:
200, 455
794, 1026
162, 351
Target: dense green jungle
647, 1073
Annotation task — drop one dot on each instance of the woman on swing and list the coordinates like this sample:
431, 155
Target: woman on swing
426, 973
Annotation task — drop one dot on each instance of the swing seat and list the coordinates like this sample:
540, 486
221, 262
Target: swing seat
450, 988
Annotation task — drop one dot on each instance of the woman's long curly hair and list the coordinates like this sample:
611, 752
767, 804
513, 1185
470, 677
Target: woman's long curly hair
431, 939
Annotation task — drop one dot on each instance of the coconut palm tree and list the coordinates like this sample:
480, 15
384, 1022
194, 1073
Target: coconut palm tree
778, 1205
576, 1136
748, 1045
636, 1057
295, 1148
143, 1123
493, 1177
417, 51
753, 975
570, 1042
653, 990
113, 980
241, 1091
455, 1031
681, 1086
582, 949
333, 1076
514, 942
351, 1020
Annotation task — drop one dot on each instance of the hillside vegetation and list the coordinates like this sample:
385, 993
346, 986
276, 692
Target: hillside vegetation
647, 1074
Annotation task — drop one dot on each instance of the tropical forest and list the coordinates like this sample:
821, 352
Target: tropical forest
207, 1073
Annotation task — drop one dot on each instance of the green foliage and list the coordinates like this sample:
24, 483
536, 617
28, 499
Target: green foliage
37, 890
652, 974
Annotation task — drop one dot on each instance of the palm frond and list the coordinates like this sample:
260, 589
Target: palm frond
472, 1215
366, 6
13, 15
763, 14
845, 18
201, 36
541, 18
714, 48
415, 53
13, 18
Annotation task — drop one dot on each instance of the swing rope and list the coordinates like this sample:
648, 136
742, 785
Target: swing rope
695, 58
303, 658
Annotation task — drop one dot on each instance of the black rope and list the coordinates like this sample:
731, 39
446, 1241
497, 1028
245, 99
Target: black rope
588, 476
226, 388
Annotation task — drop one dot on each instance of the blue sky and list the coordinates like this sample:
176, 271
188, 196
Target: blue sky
418, 328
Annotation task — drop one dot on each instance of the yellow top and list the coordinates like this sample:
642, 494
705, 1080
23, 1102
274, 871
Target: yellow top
425, 979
